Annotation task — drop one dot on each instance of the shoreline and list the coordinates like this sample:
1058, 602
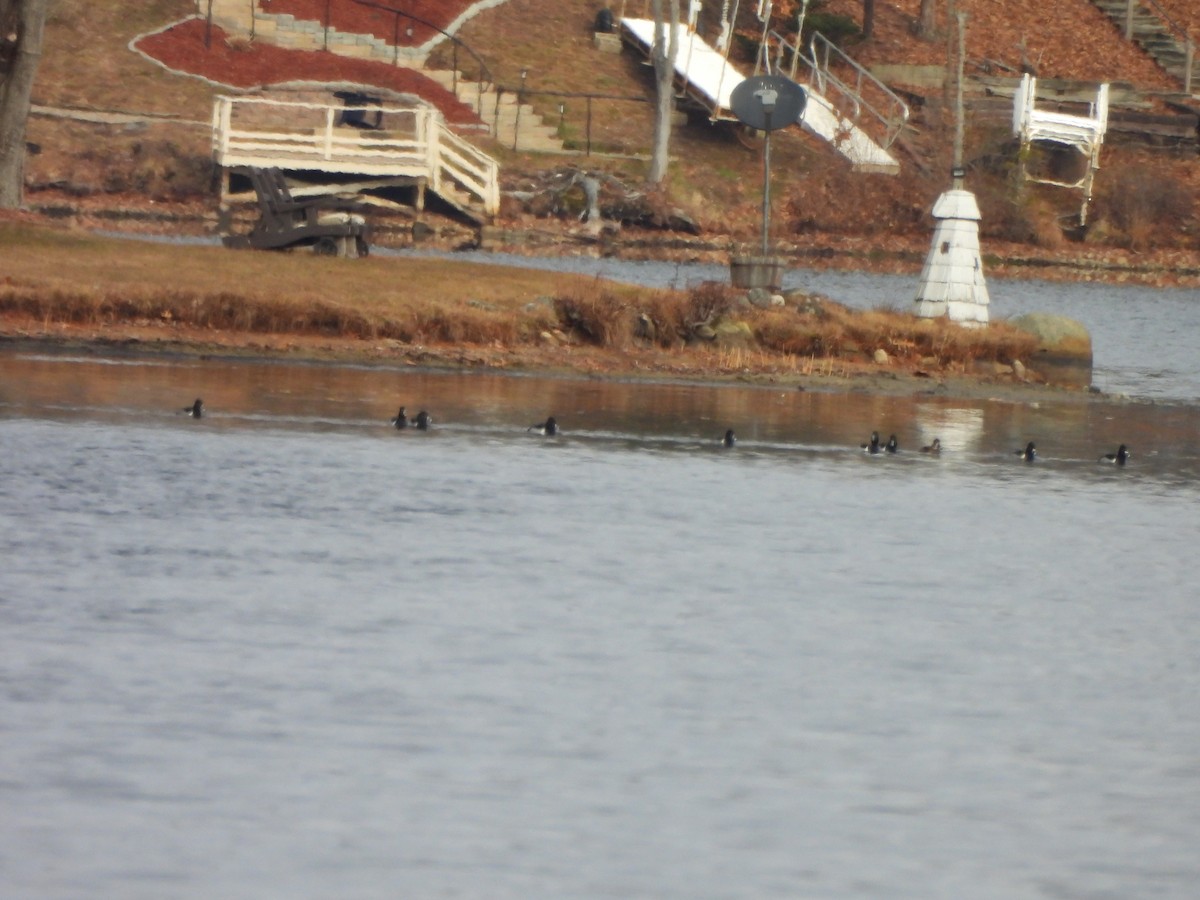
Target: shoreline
146, 334
584, 364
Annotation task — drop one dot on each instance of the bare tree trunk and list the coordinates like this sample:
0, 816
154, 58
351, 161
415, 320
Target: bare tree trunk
26, 20
868, 18
664, 54
927, 20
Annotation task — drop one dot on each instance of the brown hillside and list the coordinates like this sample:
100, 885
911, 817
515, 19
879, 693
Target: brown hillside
1144, 197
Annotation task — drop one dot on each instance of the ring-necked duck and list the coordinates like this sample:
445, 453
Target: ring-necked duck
935, 447
892, 446
549, 427
423, 420
401, 420
1029, 454
730, 438
873, 445
1119, 457
196, 410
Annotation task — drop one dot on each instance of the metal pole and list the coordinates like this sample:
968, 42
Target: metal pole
1129, 5
520, 100
589, 125
1189, 59
766, 209
208, 26
327, 2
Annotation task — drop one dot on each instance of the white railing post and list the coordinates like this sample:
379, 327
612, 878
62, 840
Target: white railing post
432, 129
328, 148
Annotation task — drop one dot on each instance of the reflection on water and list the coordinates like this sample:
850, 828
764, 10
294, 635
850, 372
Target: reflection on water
349, 398
288, 651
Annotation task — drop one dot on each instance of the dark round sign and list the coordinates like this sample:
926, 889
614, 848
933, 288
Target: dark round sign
768, 102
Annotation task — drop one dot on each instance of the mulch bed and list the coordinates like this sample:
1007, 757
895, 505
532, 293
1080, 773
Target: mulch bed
246, 65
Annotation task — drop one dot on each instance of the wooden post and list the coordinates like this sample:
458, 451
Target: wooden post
947, 87
958, 101
589, 125
1129, 5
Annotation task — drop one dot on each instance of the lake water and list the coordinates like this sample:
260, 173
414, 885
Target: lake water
288, 651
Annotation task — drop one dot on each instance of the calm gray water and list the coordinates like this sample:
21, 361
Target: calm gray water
287, 651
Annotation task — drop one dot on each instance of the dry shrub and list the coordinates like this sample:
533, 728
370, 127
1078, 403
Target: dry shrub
1022, 214
782, 331
597, 316
709, 301
839, 331
1146, 207
663, 318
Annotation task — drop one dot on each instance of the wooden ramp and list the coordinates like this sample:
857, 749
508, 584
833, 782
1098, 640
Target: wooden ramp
707, 79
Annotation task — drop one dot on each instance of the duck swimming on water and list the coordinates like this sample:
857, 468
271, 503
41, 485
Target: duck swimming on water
1029, 454
1118, 458
401, 420
935, 447
872, 446
730, 438
548, 428
423, 420
196, 410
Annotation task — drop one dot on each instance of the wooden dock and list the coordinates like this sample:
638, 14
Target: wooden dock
377, 145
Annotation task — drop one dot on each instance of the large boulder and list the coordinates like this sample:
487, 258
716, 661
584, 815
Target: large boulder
1064, 346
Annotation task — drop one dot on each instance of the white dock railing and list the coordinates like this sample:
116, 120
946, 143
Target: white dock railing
401, 141
867, 94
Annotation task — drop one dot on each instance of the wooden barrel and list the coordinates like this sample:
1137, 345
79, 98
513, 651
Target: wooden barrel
757, 271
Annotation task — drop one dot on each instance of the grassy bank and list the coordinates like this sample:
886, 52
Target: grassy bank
63, 284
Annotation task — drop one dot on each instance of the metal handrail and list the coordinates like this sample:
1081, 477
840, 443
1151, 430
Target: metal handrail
821, 76
1189, 45
485, 74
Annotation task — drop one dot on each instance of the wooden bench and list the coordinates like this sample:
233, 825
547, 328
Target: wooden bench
332, 226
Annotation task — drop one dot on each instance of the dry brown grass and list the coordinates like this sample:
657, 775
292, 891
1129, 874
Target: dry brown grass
56, 276
64, 276
840, 332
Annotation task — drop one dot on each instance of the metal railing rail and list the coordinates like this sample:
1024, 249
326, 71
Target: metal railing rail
524, 92
485, 75
851, 101
1189, 45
